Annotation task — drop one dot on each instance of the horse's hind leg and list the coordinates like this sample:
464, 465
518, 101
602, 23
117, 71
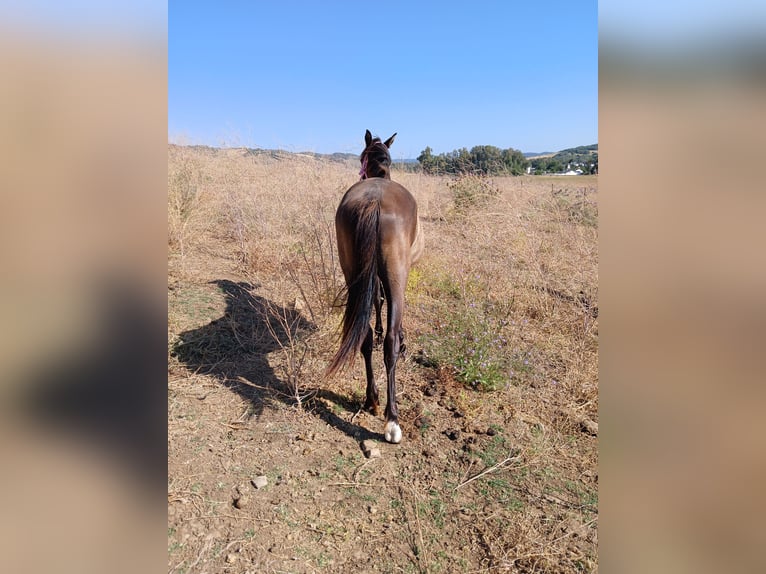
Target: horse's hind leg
391, 349
372, 402
378, 300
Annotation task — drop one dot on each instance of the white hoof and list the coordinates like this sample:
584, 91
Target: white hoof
392, 433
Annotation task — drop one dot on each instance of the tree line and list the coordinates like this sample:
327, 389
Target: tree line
482, 159
491, 160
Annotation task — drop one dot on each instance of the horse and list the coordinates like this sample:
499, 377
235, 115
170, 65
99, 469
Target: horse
379, 238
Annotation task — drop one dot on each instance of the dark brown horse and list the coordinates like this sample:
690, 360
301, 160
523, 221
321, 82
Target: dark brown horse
379, 238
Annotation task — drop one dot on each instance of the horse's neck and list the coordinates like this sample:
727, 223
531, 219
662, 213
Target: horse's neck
386, 174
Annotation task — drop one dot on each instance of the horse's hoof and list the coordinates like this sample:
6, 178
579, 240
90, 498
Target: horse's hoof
372, 408
392, 433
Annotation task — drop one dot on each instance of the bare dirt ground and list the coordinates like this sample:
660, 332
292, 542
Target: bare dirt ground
498, 394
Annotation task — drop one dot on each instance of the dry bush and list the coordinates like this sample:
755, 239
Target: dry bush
184, 179
470, 190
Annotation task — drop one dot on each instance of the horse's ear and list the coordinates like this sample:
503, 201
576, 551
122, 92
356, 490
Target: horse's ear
389, 141
367, 138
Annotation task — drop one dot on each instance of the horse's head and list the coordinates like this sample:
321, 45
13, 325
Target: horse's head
376, 161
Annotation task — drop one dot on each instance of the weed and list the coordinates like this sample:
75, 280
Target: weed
424, 422
497, 429
469, 342
502, 491
414, 281
469, 335
438, 509
323, 559
496, 450
588, 499
342, 462
521, 368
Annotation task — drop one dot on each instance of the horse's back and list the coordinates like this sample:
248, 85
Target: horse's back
394, 198
399, 227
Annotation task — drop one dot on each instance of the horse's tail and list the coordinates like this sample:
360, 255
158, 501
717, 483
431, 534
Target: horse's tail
356, 318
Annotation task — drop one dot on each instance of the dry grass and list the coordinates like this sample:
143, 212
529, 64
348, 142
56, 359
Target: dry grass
500, 480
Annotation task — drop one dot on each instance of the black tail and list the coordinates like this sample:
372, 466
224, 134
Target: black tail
356, 319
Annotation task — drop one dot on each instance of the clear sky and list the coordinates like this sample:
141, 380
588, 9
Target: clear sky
313, 75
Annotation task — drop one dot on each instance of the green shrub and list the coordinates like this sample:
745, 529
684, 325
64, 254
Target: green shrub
469, 343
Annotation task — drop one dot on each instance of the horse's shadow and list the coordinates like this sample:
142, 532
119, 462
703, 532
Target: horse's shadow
234, 350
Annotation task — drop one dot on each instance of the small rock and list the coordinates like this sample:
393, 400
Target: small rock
370, 449
231, 558
368, 445
372, 510
491, 431
589, 426
373, 453
259, 481
242, 501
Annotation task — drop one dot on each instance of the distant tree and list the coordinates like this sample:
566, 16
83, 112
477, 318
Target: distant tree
426, 160
514, 161
555, 166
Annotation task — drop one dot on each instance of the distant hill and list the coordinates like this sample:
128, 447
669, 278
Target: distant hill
574, 155
584, 158
337, 156
533, 154
579, 150
580, 154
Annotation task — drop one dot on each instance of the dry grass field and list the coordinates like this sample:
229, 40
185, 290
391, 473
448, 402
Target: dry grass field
498, 393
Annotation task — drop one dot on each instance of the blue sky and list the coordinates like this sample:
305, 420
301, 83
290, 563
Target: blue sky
312, 76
